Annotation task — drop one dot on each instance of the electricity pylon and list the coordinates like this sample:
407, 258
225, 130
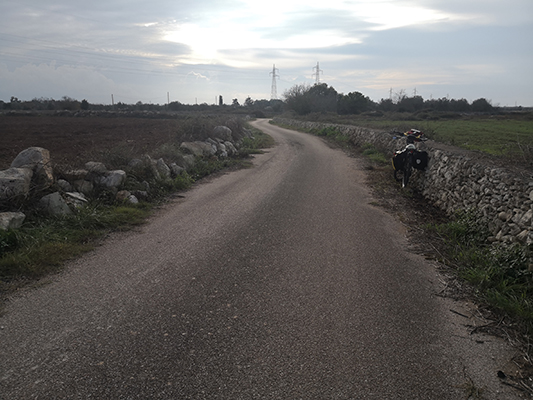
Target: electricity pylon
274, 90
317, 73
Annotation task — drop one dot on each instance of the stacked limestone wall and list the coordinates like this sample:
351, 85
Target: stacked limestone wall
455, 182
31, 177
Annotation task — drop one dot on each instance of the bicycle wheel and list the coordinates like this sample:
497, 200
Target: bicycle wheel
406, 173
398, 175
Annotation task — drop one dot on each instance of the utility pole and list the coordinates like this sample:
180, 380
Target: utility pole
274, 90
317, 74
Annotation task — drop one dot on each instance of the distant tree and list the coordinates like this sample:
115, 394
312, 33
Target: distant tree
14, 103
220, 101
304, 99
482, 105
460, 105
248, 102
68, 103
277, 105
410, 104
442, 104
386, 105
399, 96
174, 106
323, 98
235, 103
261, 104
353, 103
84, 104
296, 99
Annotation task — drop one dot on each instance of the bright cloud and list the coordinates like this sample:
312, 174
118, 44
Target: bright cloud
243, 29
391, 15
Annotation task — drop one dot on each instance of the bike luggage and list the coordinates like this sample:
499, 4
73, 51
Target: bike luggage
420, 160
398, 160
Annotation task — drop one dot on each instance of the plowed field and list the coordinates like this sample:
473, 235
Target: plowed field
74, 141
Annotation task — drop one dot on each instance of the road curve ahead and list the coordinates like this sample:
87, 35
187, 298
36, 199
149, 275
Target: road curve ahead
280, 281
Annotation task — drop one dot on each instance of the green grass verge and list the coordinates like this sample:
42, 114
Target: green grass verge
43, 244
336, 136
374, 154
501, 274
256, 143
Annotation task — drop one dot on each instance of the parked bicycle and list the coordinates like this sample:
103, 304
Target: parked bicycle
410, 157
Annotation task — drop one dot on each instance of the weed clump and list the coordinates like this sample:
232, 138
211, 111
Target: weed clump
374, 154
501, 274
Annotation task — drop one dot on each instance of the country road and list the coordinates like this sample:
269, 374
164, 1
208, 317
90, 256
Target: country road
281, 281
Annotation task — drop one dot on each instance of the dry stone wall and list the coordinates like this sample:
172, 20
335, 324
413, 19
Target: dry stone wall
454, 181
31, 177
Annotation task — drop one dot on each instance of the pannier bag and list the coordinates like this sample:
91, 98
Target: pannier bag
420, 160
398, 160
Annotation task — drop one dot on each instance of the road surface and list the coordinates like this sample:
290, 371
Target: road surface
280, 281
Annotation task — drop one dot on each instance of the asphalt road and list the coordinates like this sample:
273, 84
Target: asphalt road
280, 281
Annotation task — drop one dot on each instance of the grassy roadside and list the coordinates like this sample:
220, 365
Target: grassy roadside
501, 275
44, 244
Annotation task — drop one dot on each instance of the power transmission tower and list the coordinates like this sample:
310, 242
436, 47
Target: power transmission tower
274, 90
317, 73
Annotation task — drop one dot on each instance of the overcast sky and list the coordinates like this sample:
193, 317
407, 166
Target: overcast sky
196, 50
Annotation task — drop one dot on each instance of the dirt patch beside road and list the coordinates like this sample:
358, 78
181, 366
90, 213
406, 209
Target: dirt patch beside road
74, 141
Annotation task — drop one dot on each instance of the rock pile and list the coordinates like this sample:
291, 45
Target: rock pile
58, 193
456, 182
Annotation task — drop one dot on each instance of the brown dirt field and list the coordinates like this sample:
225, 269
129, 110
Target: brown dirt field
74, 141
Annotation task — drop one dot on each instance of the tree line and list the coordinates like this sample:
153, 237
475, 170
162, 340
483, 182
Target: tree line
305, 99
302, 99
70, 104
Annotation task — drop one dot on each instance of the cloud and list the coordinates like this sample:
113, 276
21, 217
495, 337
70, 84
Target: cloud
487, 12
198, 75
49, 80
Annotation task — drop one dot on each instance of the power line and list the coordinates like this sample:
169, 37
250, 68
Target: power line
274, 91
